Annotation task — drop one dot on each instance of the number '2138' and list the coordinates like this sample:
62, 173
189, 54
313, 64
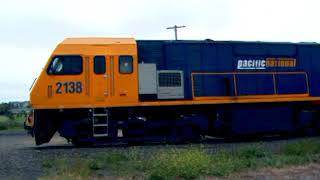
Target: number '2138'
69, 87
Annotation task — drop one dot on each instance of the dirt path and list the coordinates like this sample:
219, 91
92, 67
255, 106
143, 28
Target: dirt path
308, 172
21, 159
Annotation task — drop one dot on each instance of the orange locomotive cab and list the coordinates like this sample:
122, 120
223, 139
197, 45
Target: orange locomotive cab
88, 72
84, 73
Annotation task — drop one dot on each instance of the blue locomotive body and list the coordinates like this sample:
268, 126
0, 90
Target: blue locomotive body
261, 68
235, 70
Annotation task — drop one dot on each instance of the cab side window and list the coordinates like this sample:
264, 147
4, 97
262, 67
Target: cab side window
65, 65
99, 65
125, 64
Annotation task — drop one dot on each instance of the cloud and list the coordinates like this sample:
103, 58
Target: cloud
13, 92
19, 67
21, 63
35, 23
31, 29
273, 20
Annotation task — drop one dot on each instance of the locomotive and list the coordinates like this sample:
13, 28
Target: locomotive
101, 90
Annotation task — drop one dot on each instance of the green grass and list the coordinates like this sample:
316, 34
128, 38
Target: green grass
187, 164
303, 148
15, 122
190, 163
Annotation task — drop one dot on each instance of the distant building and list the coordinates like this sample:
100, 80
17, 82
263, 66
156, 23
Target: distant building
18, 107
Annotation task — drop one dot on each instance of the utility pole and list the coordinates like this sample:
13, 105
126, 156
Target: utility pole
175, 28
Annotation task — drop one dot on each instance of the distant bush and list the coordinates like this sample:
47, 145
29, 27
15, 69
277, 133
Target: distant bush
12, 122
5, 109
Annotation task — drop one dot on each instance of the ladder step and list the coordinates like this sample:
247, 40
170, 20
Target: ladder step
100, 114
100, 135
100, 125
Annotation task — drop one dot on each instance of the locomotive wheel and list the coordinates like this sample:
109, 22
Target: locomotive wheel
183, 134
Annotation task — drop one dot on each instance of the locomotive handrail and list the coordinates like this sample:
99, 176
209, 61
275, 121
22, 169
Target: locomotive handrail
235, 89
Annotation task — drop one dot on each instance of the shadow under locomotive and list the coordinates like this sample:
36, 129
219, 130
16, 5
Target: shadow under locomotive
243, 140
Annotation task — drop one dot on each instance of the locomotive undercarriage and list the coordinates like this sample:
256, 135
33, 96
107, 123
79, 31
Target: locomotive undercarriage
175, 124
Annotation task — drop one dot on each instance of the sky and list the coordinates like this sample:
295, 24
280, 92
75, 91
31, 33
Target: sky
30, 30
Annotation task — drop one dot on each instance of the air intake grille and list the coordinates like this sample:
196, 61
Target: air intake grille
169, 79
170, 84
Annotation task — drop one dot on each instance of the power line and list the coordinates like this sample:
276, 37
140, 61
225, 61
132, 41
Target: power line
175, 28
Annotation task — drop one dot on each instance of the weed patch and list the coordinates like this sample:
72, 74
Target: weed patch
302, 148
190, 163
